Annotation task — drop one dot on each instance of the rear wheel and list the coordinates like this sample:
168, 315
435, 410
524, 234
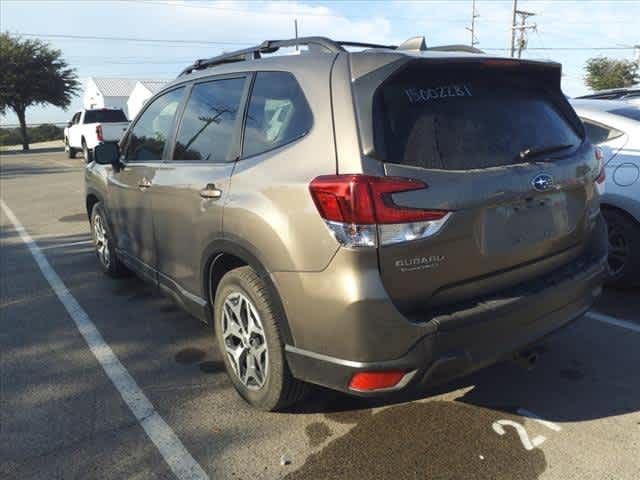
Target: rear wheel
71, 152
103, 242
250, 341
624, 249
86, 152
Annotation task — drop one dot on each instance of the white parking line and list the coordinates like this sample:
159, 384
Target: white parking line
601, 317
168, 444
68, 244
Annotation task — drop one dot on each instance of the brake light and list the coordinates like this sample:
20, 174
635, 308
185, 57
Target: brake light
99, 133
359, 208
602, 175
370, 381
501, 63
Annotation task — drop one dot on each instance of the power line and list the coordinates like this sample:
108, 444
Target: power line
130, 39
300, 13
210, 42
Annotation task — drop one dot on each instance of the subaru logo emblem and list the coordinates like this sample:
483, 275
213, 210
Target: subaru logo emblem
542, 182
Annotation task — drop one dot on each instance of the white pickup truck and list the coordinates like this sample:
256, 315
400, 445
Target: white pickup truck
89, 128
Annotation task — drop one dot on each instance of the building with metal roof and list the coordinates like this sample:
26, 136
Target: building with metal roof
103, 92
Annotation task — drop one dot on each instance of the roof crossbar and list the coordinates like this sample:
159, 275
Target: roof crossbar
271, 46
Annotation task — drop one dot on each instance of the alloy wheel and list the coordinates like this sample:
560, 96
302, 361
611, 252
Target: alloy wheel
244, 341
618, 250
101, 241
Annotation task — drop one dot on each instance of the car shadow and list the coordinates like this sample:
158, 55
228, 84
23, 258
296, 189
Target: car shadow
585, 372
32, 151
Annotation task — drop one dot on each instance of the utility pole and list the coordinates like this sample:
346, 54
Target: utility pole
295, 28
474, 15
522, 30
513, 27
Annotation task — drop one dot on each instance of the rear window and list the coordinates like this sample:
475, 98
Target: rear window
465, 118
104, 116
628, 112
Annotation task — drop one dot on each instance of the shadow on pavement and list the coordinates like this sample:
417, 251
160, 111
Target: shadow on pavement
32, 151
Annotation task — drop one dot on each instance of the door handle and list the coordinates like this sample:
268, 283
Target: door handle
211, 192
144, 183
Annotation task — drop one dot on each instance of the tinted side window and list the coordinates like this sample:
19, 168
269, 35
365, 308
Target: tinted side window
76, 118
149, 135
208, 122
278, 113
599, 133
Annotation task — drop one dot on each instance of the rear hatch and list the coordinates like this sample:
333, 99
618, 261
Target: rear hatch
498, 146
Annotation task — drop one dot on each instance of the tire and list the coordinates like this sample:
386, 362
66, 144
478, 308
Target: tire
86, 152
71, 152
271, 386
103, 242
624, 249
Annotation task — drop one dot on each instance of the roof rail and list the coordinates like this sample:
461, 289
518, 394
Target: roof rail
271, 46
315, 44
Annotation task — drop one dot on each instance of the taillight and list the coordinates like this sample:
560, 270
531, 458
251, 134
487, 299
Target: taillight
359, 208
99, 133
602, 175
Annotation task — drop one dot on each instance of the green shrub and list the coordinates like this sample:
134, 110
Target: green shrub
41, 133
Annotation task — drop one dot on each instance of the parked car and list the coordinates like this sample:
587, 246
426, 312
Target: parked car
615, 127
88, 128
368, 221
629, 95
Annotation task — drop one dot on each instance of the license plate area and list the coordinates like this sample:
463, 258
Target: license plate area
527, 222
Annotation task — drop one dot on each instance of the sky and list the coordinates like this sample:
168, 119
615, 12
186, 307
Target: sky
156, 39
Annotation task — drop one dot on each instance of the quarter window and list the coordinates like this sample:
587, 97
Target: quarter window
208, 123
278, 113
150, 133
598, 134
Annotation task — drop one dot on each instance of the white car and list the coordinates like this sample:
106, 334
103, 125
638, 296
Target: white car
89, 128
614, 126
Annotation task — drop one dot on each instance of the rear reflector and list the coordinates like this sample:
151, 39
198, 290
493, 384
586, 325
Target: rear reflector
370, 381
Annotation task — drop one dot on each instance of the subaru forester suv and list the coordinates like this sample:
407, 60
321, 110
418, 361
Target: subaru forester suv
370, 221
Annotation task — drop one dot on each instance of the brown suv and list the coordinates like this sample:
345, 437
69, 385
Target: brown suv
368, 221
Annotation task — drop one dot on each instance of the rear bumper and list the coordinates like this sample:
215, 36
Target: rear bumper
457, 344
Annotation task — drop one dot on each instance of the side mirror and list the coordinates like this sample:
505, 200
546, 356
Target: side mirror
69, 123
107, 154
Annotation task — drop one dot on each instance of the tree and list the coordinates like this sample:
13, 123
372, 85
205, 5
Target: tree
33, 73
603, 73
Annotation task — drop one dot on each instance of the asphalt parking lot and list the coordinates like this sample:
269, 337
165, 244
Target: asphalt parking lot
575, 416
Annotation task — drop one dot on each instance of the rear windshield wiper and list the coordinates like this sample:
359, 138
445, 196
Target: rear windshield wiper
534, 152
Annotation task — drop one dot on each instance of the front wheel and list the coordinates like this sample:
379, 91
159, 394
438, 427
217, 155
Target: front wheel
624, 249
249, 339
103, 242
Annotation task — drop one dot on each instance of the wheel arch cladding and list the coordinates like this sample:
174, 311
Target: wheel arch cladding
222, 256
